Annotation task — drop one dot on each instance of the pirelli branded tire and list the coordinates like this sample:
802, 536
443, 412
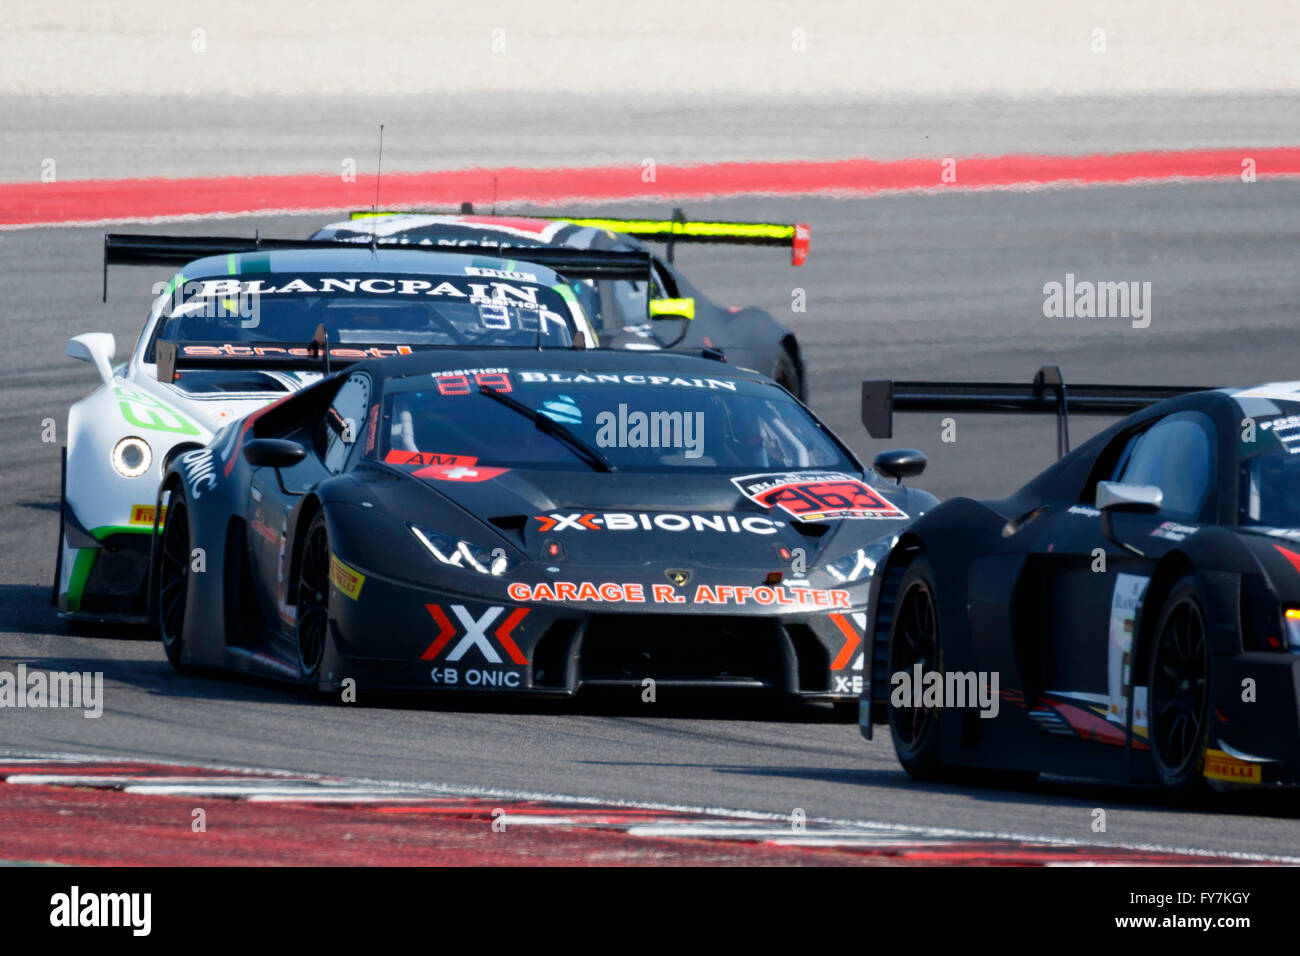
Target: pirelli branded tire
1179, 691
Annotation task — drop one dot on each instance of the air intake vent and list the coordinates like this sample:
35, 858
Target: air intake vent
683, 650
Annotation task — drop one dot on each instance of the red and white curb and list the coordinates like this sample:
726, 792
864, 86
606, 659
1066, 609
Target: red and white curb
676, 833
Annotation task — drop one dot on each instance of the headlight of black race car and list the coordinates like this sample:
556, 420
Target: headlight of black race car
861, 563
457, 553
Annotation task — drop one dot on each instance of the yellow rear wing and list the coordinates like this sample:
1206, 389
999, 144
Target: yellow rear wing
797, 236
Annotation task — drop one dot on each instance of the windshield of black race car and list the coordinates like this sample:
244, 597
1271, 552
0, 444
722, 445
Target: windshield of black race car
493, 308
1270, 473
640, 422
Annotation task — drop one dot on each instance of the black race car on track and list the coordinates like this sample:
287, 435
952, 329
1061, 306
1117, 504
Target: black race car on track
1138, 603
513, 520
667, 311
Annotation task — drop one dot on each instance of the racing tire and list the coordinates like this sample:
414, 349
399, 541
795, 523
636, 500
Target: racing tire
313, 597
1178, 692
174, 580
913, 639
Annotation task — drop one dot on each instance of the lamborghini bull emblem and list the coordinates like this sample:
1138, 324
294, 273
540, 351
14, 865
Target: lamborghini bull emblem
677, 576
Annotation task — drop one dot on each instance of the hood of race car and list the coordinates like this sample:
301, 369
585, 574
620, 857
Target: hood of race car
651, 520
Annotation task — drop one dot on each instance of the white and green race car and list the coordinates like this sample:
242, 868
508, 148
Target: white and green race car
247, 322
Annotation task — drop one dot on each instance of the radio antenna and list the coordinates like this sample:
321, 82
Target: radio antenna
494, 195
540, 320
379, 172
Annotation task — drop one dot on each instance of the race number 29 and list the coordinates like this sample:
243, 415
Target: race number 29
460, 384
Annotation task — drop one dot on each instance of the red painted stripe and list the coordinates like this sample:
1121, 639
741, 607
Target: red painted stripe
30, 204
1290, 556
239, 442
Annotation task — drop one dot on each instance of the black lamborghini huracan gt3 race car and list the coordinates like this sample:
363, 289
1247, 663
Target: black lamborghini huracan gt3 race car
1135, 609
515, 520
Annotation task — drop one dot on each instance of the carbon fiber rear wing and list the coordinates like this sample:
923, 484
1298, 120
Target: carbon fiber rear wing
796, 236
128, 249
1046, 395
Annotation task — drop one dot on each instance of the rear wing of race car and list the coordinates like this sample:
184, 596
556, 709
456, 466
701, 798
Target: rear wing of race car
127, 249
319, 355
1047, 394
797, 236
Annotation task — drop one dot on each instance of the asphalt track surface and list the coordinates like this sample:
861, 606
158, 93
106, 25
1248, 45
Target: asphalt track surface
911, 286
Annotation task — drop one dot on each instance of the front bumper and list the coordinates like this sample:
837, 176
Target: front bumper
101, 574
106, 580
396, 636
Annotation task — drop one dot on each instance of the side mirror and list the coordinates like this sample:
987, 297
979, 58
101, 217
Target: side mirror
1115, 498
97, 348
273, 452
900, 463
1131, 499
672, 309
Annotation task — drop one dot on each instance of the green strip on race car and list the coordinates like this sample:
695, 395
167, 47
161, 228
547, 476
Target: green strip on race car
80, 574
99, 534
85, 561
